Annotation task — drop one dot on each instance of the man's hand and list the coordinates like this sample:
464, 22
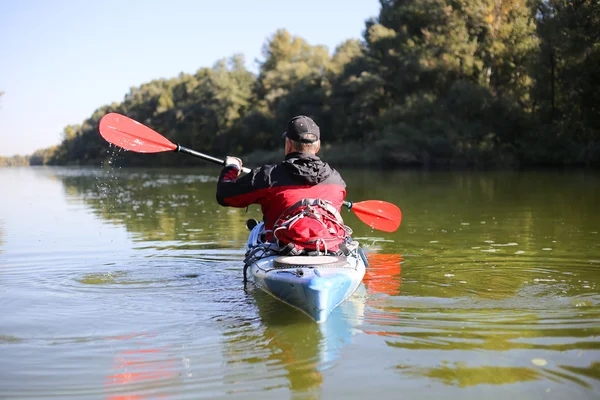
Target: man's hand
234, 162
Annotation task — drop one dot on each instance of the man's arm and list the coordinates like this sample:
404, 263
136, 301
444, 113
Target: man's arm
234, 191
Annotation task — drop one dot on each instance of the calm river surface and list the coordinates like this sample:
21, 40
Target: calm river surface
127, 284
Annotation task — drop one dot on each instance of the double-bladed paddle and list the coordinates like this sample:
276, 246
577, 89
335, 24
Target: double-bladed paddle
131, 135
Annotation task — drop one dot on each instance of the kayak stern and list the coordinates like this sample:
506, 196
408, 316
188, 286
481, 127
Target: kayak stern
314, 290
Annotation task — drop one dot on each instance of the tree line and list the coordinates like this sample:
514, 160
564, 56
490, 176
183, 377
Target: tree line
431, 82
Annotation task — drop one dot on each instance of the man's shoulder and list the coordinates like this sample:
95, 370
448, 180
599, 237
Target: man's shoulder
335, 176
264, 172
266, 168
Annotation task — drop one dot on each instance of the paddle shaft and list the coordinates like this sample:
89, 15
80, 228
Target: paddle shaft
181, 149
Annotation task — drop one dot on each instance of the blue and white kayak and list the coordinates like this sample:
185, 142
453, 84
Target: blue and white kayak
315, 285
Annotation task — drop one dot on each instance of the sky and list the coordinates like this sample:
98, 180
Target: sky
60, 60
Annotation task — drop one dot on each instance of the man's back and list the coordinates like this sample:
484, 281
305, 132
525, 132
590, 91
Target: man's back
277, 187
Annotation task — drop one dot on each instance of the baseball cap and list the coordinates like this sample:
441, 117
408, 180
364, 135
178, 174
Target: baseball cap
302, 129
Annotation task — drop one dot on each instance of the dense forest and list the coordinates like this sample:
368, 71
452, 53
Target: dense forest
431, 82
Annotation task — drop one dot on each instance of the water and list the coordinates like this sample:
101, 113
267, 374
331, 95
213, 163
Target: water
127, 284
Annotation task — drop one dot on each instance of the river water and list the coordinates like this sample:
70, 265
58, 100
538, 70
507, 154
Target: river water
127, 284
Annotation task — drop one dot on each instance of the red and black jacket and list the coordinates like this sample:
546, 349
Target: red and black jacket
279, 186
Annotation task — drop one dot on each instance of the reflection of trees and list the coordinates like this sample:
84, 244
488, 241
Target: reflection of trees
477, 221
593, 371
464, 325
463, 376
485, 229
172, 205
486, 325
512, 203
487, 329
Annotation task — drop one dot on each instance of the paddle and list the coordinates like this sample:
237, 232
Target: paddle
377, 214
130, 135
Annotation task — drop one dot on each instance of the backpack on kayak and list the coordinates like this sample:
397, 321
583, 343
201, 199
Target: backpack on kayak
310, 225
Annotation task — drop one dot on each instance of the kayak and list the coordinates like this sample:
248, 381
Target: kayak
314, 284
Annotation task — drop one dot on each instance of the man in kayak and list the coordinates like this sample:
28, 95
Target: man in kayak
276, 187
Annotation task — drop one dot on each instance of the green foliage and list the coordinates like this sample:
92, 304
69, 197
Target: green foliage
293, 80
357, 96
451, 73
567, 90
14, 161
446, 82
43, 156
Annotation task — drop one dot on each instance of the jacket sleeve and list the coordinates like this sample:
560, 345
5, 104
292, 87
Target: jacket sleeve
234, 191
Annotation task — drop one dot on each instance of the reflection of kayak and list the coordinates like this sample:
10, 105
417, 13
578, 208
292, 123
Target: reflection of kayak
292, 332
313, 284
291, 344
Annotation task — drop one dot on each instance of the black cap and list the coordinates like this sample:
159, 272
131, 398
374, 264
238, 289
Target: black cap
302, 129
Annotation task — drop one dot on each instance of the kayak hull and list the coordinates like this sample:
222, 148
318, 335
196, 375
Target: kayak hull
316, 285
315, 290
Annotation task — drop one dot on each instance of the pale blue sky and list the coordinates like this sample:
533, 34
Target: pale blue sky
62, 59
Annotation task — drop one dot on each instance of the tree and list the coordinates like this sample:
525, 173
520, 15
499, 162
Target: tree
357, 93
427, 54
293, 79
567, 90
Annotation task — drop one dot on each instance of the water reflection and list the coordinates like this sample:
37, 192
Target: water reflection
288, 339
492, 282
383, 274
171, 206
143, 372
464, 376
284, 338
474, 323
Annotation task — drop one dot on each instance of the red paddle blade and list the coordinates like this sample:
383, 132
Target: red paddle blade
129, 134
378, 214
